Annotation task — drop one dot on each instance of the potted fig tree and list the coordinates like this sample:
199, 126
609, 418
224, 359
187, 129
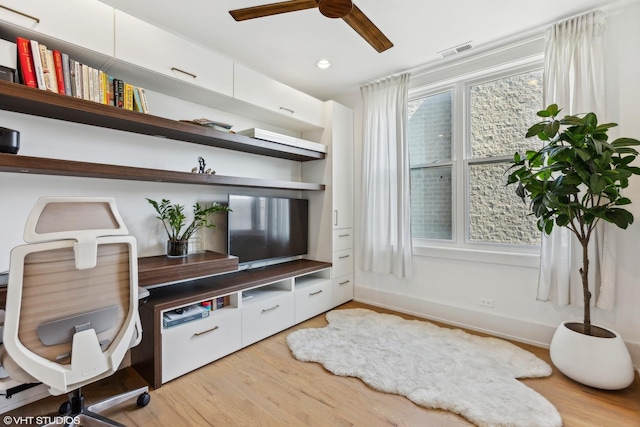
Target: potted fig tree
575, 181
174, 220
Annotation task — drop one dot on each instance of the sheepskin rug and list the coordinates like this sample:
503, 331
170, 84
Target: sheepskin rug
435, 367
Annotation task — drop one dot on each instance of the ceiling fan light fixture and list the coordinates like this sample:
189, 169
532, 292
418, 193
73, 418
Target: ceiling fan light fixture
323, 64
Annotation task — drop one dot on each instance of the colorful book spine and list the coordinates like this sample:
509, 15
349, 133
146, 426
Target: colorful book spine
85, 83
25, 61
118, 86
66, 70
143, 100
110, 91
95, 74
128, 97
57, 66
137, 102
48, 68
103, 86
78, 74
37, 64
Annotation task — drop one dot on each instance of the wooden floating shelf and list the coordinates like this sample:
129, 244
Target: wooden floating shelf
27, 100
46, 166
162, 269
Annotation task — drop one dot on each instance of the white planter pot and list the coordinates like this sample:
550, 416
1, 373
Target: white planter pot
594, 361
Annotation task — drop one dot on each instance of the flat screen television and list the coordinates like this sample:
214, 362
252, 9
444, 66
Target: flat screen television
266, 228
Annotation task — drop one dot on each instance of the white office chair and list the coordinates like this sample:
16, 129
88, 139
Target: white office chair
72, 301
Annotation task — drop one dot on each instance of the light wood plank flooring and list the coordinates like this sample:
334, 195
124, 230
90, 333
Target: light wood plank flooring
263, 385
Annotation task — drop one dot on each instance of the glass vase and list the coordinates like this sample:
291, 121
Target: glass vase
177, 248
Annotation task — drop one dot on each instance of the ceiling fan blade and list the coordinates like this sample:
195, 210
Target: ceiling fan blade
367, 30
272, 9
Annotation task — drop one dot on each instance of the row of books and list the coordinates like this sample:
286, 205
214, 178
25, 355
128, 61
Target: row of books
52, 70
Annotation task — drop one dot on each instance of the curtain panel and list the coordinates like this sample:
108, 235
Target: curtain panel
386, 224
574, 79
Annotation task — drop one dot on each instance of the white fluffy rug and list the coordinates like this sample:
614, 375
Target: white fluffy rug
432, 366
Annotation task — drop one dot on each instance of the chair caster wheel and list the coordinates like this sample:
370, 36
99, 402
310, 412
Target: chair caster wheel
143, 399
65, 408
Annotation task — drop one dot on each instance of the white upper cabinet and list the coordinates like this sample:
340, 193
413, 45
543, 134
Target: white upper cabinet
154, 49
88, 24
275, 97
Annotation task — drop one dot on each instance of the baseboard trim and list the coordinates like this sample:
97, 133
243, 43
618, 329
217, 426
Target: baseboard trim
512, 329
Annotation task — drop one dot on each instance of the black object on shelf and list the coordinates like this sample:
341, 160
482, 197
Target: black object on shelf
9, 141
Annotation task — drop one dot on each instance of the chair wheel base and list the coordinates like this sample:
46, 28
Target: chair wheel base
143, 399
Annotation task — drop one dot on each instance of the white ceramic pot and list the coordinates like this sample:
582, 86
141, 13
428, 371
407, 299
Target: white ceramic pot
600, 362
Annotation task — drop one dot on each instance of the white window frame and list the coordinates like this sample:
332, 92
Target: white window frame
460, 246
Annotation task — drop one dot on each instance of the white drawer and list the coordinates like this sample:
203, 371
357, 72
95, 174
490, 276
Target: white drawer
342, 263
342, 239
267, 316
194, 344
312, 298
342, 289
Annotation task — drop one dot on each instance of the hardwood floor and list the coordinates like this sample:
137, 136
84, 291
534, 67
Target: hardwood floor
263, 385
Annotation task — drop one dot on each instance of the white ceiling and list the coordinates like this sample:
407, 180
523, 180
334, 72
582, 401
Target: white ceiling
287, 46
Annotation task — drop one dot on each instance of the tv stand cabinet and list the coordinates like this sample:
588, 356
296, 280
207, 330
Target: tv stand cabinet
259, 303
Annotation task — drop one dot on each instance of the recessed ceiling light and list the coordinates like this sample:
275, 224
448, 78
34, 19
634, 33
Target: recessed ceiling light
323, 64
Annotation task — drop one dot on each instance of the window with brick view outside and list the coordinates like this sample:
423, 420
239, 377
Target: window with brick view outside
499, 114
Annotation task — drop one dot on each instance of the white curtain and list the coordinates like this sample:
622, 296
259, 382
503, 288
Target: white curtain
574, 79
386, 224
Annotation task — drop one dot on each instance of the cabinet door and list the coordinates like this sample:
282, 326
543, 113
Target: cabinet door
342, 239
194, 344
267, 317
85, 23
342, 263
149, 47
260, 90
312, 298
342, 157
342, 289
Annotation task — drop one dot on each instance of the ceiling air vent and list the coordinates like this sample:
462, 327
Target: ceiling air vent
455, 49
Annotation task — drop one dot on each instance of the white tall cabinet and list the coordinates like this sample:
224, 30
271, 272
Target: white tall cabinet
332, 241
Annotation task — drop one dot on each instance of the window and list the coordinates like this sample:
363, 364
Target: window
461, 139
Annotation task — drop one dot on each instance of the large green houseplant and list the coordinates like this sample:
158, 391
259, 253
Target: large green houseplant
575, 181
174, 221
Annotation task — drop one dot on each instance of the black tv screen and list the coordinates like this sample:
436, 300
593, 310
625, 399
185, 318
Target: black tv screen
264, 228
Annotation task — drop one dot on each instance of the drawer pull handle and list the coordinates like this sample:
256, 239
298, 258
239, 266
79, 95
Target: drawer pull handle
184, 72
264, 310
343, 256
344, 235
288, 110
315, 293
17, 12
344, 283
197, 334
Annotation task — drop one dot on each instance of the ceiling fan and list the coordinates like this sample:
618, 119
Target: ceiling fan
344, 9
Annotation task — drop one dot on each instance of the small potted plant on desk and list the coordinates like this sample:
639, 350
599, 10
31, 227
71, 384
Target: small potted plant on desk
174, 219
575, 181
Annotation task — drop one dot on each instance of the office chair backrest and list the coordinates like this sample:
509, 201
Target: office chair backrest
72, 303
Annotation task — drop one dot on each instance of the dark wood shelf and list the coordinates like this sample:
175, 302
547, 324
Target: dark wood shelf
46, 166
23, 99
162, 269
185, 293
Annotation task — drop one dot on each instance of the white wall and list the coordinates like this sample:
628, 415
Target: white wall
447, 285
43, 137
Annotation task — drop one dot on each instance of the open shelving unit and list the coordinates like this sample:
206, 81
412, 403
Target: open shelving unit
22, 99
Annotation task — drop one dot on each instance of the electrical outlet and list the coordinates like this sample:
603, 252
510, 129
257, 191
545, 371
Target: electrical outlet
486, 302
